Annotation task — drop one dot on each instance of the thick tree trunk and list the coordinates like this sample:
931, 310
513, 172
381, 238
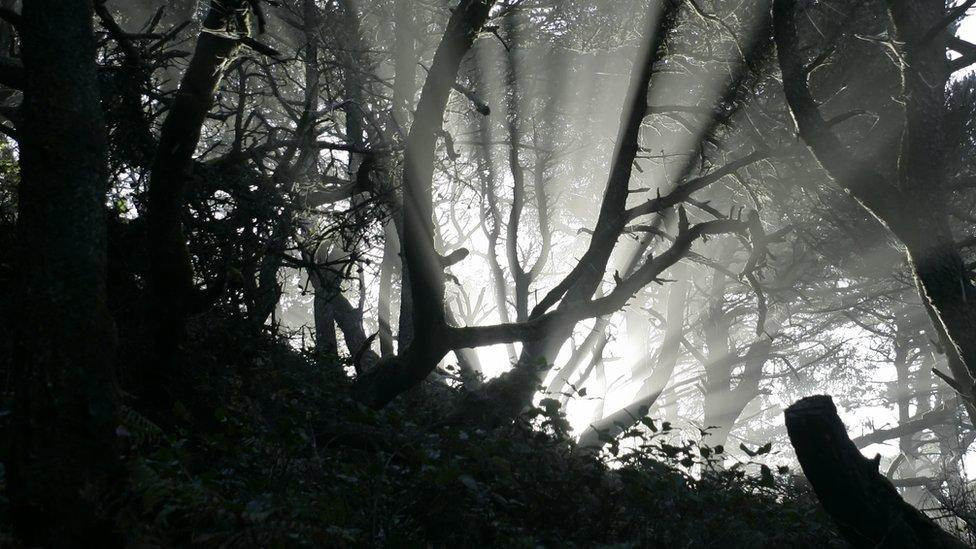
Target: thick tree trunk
913, 204
323, 314
866, 507
65, 388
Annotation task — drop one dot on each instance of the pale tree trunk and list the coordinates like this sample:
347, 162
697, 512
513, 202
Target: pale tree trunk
404, 88
664, 363
388, 268
491, 220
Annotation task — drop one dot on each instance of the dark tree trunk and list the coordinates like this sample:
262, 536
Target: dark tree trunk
866, 507
912, 204
423, 266
171, 283
65, 388
323, 314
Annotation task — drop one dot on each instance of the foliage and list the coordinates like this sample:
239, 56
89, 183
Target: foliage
271, 453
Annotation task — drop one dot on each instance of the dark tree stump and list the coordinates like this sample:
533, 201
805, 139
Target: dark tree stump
865, 506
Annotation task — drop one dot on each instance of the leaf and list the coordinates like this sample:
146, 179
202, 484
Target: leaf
649, 423
766, 477
469, 482
764, 449
550, 405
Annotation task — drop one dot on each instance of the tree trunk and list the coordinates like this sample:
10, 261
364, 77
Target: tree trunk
384, 308
65, 387
913, 204
405, 62
323, 314
422, 264
171, 283
865, 506
667, 359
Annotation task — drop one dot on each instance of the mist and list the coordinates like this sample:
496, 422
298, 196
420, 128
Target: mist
411, 272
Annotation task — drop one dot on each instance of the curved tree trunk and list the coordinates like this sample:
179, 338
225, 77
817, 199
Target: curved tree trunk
908, 197
422, 266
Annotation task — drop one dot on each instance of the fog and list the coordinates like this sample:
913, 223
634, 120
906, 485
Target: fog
603, 222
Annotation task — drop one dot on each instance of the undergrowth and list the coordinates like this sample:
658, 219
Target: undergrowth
272, 453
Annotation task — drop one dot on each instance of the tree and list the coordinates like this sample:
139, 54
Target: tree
906, 186
574, 292
66, 392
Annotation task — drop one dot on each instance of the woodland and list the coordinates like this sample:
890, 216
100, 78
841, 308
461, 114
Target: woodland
487, 273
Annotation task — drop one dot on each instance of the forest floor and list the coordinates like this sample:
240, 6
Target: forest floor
270, 452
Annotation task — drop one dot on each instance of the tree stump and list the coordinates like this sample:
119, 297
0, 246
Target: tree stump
865, 506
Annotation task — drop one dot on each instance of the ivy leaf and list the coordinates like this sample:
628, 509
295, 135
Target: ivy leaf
469, 482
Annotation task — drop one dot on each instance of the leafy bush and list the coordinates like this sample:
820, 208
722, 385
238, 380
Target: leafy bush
272, 453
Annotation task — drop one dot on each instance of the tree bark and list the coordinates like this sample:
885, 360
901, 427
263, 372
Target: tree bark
405, 62
384, 308
65, 387
865, 506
